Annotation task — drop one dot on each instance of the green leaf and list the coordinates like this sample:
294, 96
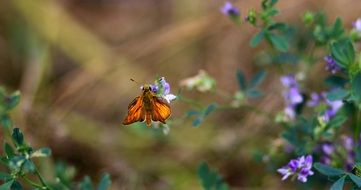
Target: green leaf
204, 174
343, 52
86, 184
356, 88
337, 94
356, 170
210, 109
4, 176
12, 100
278, 41
241, 80
104, 182
42, 152
197, 121
257, 38
16, 162
28, 166
336, 81
7, 185
355, 179
16, 186
272, 12
4, 160
338, 185
6, 121
257, 79
64, 173
253, 93
9, 150
337, 29
280, 26
327, 170
268, 3
191, 113
337, 121
210, 179
18, 136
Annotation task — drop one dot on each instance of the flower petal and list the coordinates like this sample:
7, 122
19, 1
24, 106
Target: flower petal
169, 97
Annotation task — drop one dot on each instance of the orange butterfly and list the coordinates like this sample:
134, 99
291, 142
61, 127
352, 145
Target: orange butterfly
147, 107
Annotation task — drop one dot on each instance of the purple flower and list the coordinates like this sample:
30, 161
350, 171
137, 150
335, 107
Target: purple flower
357, 25
331, 65
289, 81
300, 167
165, 85
315, 100
292, 95
229, 10
325, 160
333, 107
328, 148
154, 88
290, 112
348, 143
162, 88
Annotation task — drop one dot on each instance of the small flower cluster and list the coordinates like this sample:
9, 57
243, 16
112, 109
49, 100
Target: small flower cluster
357, 25
292, 95
331, 65
162, 89
346, 151
230, 10
332, 106
300, 168
203, 82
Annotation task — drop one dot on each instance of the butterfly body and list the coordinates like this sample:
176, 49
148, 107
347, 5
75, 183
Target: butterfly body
147, 107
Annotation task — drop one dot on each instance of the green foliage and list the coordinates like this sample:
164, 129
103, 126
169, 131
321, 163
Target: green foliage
267, 4
7, 103
210, 179
241, 80
201, 114
274, 32
337, 94
278, 41
356, 88
356, 179
104, 182
327, 170
337, 121
338, 185
343, 52
322, 33
335, 82
87, 184
340, 175
18, 158
251, 89
6, 185
257, 38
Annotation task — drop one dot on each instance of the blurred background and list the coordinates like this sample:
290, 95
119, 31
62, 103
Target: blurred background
72, 61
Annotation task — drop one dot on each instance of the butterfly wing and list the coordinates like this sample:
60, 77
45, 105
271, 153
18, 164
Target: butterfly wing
135, 111
161, 110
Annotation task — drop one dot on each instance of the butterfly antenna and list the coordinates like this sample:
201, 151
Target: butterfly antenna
134, 81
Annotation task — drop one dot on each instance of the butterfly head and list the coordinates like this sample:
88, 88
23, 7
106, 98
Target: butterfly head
146, 88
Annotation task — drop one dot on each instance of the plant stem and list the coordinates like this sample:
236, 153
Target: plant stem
358, 125
41, 179
189, 101
32, 183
